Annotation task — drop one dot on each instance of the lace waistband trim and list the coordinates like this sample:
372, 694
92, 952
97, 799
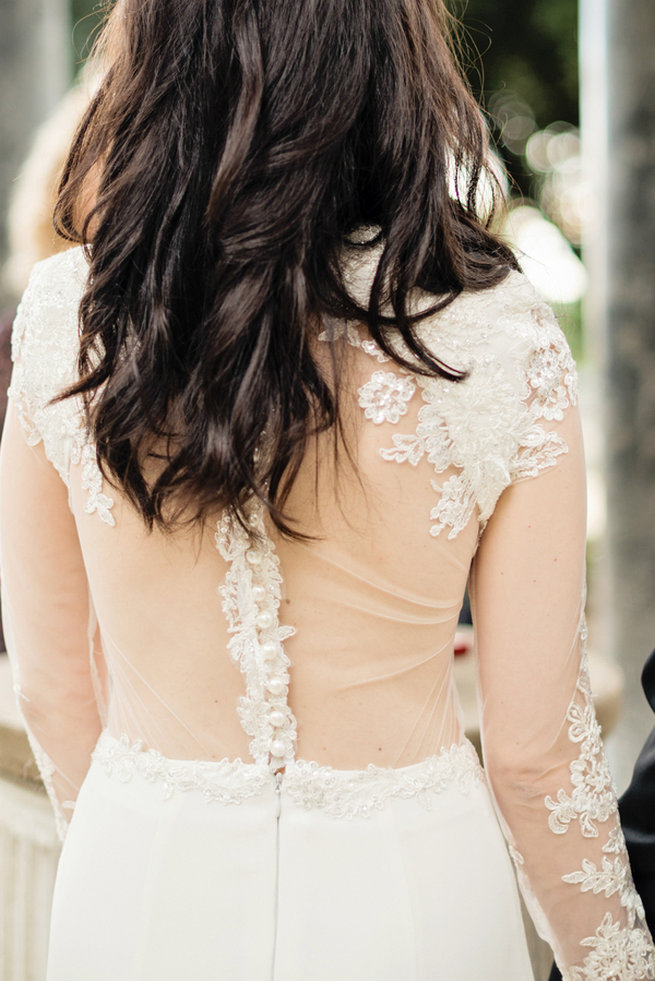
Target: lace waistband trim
339, 793
223, 781
358, 793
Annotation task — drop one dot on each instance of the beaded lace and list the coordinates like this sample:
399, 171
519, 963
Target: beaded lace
342, 794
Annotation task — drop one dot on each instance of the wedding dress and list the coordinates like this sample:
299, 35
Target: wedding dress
255, 746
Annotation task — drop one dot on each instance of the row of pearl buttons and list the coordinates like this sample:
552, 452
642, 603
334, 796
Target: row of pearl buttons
276, 684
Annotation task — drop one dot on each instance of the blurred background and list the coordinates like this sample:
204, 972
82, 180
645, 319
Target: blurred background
521, 59
568, 88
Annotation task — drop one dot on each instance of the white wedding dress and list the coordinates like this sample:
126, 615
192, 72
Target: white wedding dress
255, 748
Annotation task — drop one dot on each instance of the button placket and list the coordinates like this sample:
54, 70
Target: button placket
251, 598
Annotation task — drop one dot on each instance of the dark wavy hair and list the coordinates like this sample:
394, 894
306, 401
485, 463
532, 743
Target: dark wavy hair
233, 147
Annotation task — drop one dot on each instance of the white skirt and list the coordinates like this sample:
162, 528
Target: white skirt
175, 870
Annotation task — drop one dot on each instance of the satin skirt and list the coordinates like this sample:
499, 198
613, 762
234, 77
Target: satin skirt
162, 880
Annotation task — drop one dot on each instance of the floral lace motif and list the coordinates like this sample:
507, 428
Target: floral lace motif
45, 345
489, 428
618, 950
342, 794
384, 398
223, 782
97, 501
618, 953
359, 793
251, 600
593, 799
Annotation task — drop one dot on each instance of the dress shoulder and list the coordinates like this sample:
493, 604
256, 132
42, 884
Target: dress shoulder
520, 378
45, 346
498, 424
508, 322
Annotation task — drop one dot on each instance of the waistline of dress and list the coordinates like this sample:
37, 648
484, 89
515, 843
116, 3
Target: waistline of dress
310, 785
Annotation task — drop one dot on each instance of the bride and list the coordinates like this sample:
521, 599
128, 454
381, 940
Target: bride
285, 397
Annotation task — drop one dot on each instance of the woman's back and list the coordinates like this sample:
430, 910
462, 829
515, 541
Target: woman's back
335, 647
370, 598
234, 655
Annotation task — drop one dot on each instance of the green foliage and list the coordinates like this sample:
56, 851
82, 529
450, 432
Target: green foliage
521, 58
529, 47
86, 15
524, 46
570, 319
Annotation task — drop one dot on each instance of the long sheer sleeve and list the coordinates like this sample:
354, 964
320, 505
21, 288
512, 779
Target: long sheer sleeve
45, 608
541, 740
45, 596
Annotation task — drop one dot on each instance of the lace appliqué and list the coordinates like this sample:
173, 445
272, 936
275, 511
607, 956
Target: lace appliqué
479, 428
45, 346
552, 378
341, 794
617, 954
359, 793
621, 950
97, 501
384, 398
224, 781
490, 429
593, 799
251, 597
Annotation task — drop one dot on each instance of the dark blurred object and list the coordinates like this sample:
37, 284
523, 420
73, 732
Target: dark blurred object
637, 808
465, 612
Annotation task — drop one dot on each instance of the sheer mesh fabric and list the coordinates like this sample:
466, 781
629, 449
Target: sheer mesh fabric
164, 640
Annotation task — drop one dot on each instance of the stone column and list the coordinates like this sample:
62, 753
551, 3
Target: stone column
629, 355
35, 71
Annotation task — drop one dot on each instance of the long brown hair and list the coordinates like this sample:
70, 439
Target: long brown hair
236, 145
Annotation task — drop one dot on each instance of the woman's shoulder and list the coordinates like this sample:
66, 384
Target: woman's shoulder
508, 315
55, 287
67, 269
45, 347
520, 379
505, 337
47, 315
45, 333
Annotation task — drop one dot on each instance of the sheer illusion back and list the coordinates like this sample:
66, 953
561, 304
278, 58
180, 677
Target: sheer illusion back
391, 536
334, 653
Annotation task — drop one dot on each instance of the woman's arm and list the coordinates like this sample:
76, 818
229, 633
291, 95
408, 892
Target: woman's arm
45, 607
541, 741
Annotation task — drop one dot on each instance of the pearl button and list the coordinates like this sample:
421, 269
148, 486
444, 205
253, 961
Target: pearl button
277, 718
279, 748
269, 650
258, 594
264, 620
253, 556
276, 686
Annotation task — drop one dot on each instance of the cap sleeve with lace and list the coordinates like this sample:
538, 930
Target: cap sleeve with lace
495, 427
45, 343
